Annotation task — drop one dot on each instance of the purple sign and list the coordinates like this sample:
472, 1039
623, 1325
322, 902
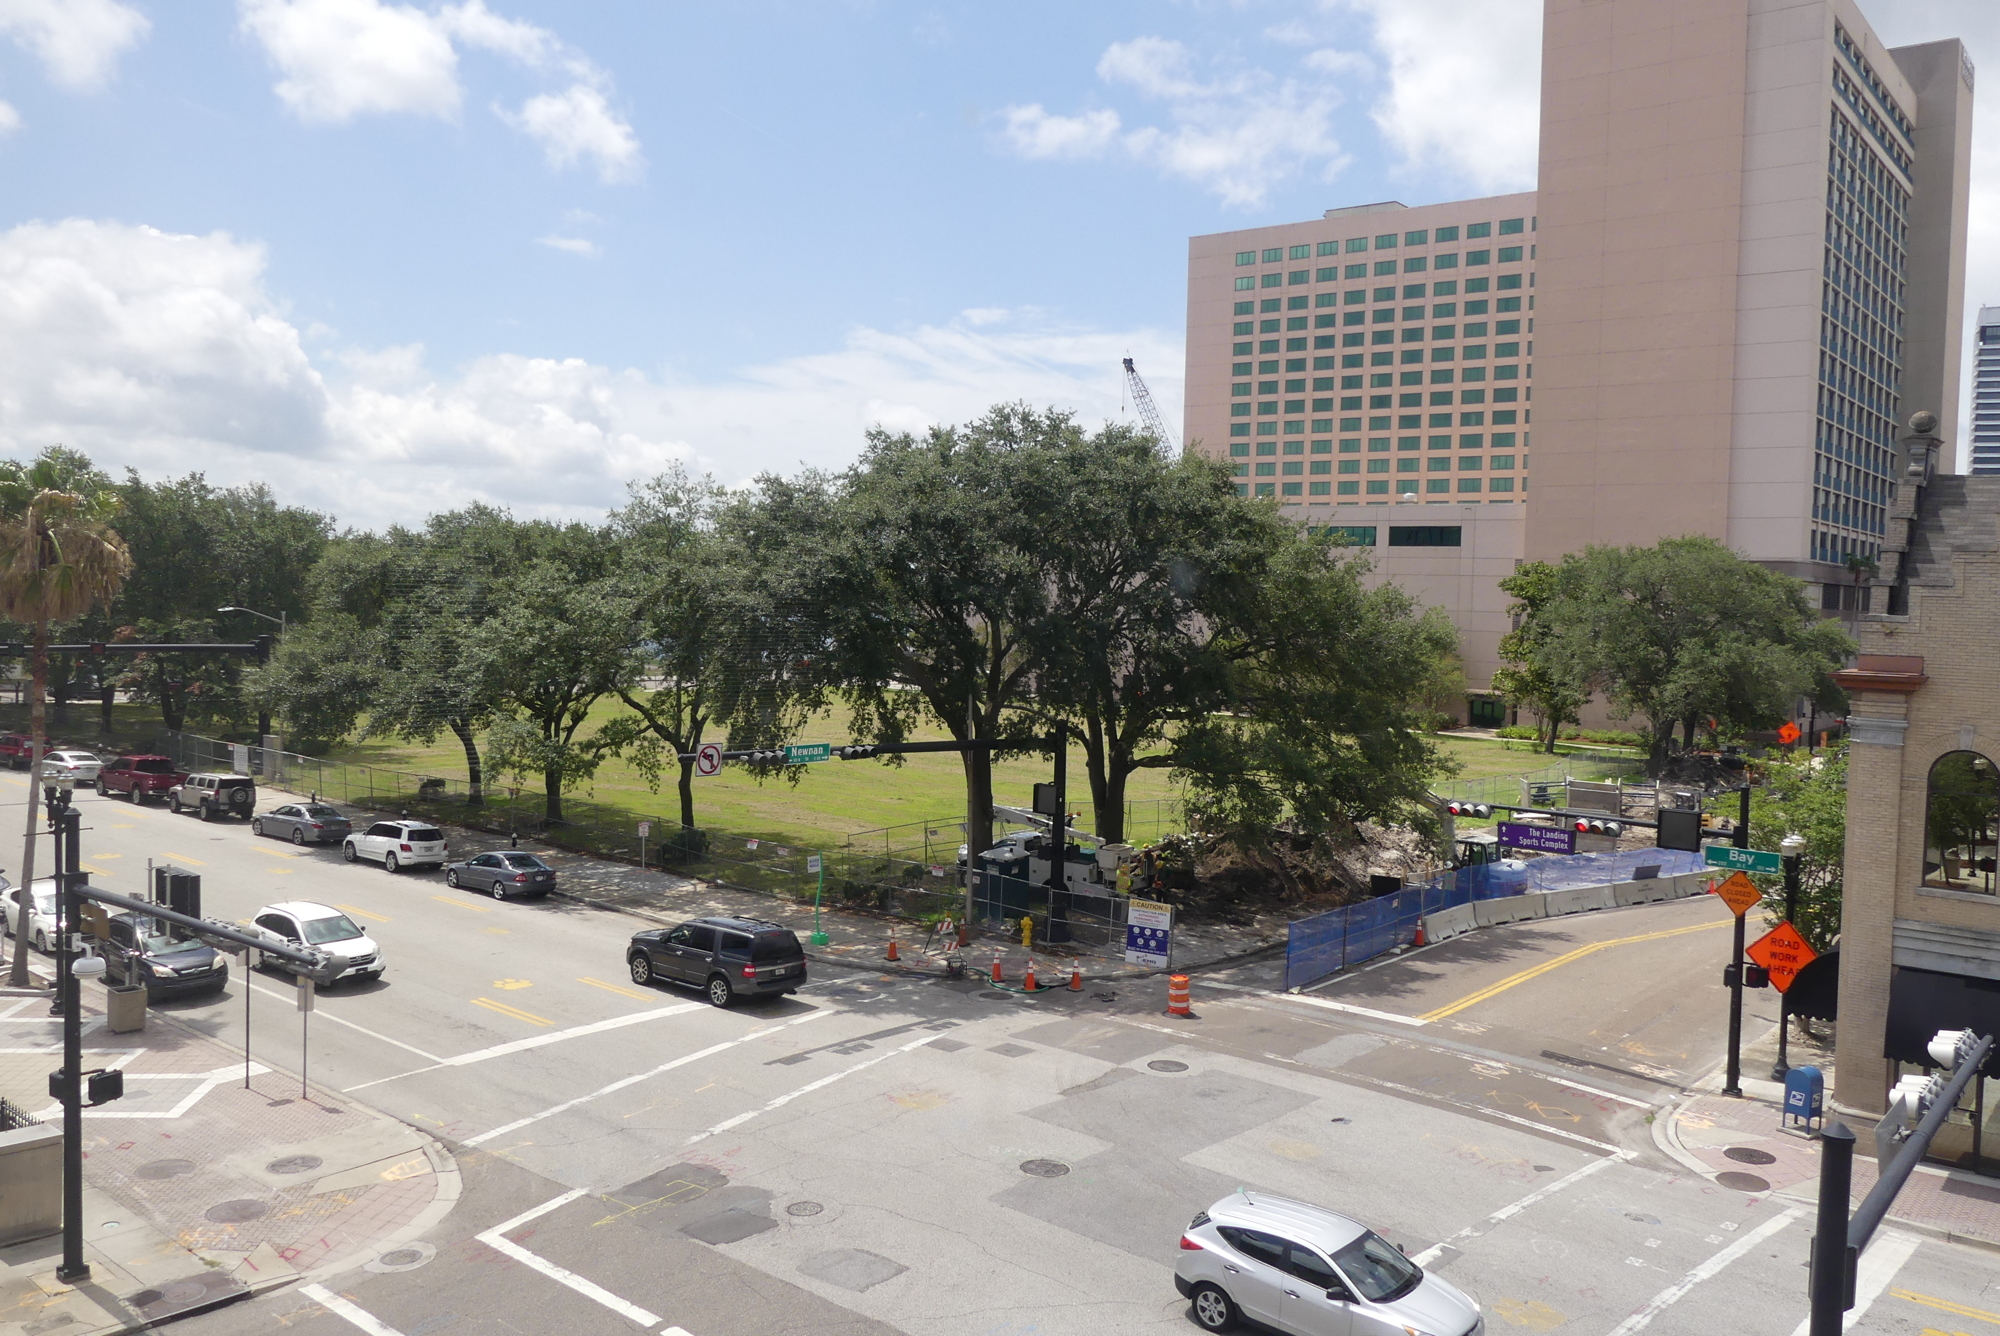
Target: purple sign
1546, 839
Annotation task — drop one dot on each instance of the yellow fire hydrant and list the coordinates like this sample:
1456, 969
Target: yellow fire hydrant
1027, 931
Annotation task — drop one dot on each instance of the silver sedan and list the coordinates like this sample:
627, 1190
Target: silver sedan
502, 873
303, 823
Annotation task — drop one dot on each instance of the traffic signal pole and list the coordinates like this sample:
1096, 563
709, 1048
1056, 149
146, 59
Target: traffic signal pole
1734, 1084
65, 821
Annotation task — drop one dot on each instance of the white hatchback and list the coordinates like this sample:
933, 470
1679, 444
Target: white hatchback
397, 845
1307, 1271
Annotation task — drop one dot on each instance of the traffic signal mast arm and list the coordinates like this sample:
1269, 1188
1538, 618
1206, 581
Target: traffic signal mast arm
206, 927
862, 751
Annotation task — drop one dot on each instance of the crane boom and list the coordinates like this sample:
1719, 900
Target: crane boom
1149, 412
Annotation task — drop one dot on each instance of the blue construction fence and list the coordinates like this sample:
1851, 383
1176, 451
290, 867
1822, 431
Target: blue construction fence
1328, 943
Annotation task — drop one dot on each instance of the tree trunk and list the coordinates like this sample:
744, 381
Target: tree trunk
1551, 725
104, 704
1107, 810
474, 777
978, 805
171, 713
687, 793
18, 977
552, 786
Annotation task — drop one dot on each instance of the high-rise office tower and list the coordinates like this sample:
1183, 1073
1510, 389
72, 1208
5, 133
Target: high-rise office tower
1743, 270
1986, 394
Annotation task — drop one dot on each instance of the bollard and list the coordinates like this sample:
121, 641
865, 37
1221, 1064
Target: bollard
996, 967
1177, 996
1028, 984
1076, 978
892, 946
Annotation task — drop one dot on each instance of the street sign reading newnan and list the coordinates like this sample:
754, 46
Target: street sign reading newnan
805, 753
1742, 860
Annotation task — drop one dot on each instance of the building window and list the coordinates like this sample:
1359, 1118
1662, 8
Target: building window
1436, 485
1510, 255
1445, 261
1378, 466
1274, 280
1347, 488
1267, 470
1508, 226
1327, 299
1267, 489
1239, 449
1962, 823
1476, 285
1293, 488
1478, 230
1297, 322
1246, 257
1350, 466
1424, 535
1329, 248
1356, 244
1298, 276
1321, 465
1246, 282
1507, 304
1416, 264
1387, 241
1378, 488
1355, 271
1319, 488
1439, 464
1499, 484
1478, 257
1506, 281
1444, 234
1275, 255
1467, 462
1500, 461
1468, 484
1302, 252
1330, 274
1385, 267
1246, 308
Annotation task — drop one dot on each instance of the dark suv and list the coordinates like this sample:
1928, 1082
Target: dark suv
724, 957
168, 964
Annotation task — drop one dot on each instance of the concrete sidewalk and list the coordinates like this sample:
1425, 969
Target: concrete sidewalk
1738, 1144
200, 1190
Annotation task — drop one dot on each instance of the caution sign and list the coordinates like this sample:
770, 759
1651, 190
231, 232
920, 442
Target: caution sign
1740, 894
1784, 953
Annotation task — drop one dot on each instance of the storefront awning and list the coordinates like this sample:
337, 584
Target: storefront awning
1922, 1002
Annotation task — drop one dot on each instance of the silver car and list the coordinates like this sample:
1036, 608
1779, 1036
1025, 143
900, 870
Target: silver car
303, 823
1307, 1271
507, 872
76, 768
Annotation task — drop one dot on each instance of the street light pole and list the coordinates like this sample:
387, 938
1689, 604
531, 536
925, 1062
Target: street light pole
263, 715
65, 821
1792, 848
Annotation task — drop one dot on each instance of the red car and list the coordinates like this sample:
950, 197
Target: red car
18, 751
139, 778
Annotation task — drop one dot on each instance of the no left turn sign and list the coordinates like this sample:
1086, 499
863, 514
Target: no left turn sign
708, 759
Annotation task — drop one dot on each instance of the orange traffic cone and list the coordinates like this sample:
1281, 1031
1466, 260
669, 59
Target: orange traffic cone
1076, 978
996, 969
892, 945
1028, 984
1418, 942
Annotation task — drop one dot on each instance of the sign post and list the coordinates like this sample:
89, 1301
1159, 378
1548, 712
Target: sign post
816, 864
1739, 893
1149, 934
645, 829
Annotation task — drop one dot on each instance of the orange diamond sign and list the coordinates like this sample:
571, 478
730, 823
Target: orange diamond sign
1788, 733
1783, 952
1739, 893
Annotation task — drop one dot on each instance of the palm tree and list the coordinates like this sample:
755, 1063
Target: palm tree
59, 558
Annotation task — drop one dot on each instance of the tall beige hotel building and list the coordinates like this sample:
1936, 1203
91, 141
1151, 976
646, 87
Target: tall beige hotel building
1742, 268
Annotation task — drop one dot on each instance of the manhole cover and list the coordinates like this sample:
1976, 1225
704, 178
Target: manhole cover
1750, 1155
238, 1212
1167, 1065
804, 1208
160, 1169
1044, 1168
1743, 1182
406, 1258
1543, 1168
294, 1164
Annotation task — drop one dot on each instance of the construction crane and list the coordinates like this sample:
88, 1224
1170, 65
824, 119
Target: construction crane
1149, 412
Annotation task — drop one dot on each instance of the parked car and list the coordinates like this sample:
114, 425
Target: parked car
1303, 1269
68, 765
726, 958
17, 750
302, 922
138, 777
303, 823
169, 964
397, 845
215, 795
503, 873
41, 916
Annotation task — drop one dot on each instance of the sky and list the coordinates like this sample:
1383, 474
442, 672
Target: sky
394, 258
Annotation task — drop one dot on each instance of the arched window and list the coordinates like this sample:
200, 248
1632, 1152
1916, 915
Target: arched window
1962, 823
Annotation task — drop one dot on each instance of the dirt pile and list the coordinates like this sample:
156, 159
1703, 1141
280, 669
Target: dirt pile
1220, 879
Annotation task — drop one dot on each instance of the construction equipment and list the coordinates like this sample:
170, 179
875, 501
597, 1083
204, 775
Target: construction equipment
1149, 412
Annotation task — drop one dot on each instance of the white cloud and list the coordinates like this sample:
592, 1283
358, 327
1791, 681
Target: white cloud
340, 59
77, 41
583, 246
346, 58
10, 119
167, 353
1464, 85
1237, 134
576, 125
1034, 133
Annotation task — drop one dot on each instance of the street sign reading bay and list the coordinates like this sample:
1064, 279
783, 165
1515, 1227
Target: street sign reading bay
1742, 860
805, 753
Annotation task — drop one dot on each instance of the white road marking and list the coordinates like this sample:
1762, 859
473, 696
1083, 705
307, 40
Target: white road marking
340, 1307
1542, 1193
1872, 1274
620, 1084
291, 998
807, 1089
1481, 1110
522, 1045
209, 1081
1325, 1002
494, 1239
1675, 1292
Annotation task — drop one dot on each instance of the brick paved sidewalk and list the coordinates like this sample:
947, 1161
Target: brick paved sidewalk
200, 1189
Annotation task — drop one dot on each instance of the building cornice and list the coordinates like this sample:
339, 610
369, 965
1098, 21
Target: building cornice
1903, 673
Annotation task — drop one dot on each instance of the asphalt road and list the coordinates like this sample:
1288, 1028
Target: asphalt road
885, 1154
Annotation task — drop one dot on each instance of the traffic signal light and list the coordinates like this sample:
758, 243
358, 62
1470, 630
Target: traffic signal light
1593, 826
860, 753
1754, 976
772, 756
1479, 810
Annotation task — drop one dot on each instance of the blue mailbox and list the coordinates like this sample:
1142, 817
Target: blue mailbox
1805, 1098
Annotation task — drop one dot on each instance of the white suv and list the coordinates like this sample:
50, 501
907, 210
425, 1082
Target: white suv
397, 845
1300, 1269
303, 923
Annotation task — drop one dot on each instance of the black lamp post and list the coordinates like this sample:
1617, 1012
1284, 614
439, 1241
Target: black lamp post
263, 716
1792, 848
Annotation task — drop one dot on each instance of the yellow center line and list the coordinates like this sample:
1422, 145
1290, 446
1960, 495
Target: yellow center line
462, 904
1492, 990
280, 871
107, 855
614, 988
515, 1012
1946, 1305
362, 913
183, 858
